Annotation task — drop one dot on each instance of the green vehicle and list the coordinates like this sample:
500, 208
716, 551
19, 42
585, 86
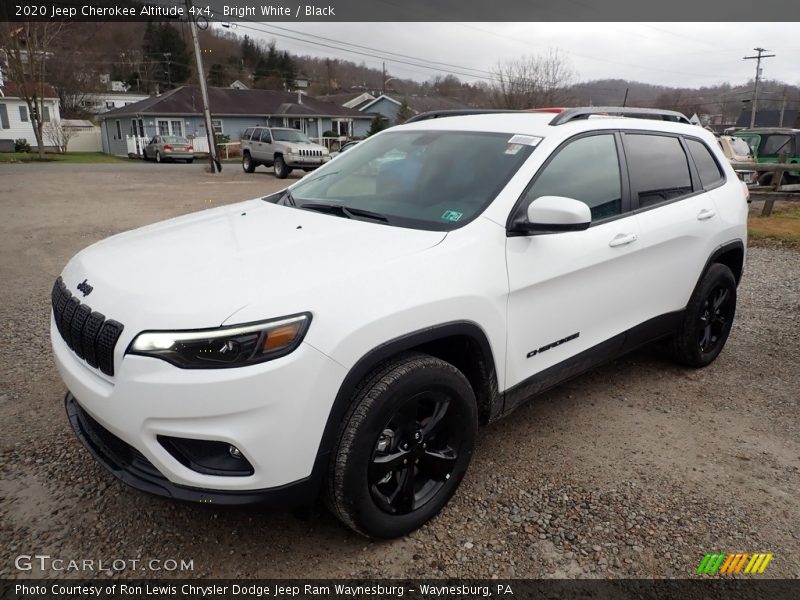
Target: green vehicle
769, 144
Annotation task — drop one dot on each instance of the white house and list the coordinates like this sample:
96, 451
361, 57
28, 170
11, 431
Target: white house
100, 102
15, 120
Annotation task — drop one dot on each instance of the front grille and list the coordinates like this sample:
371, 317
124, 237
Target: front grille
88, 333
310, 152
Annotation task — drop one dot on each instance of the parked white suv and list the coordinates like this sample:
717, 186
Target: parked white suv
348, 334
281, 148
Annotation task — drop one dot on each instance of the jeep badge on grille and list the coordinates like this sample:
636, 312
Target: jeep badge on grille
84, 287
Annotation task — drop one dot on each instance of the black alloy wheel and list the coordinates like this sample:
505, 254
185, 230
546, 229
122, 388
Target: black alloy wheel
416, 452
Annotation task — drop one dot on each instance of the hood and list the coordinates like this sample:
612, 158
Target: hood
198, 270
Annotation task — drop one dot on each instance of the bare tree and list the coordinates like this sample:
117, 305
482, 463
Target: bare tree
531, 81
26, 47
58, 135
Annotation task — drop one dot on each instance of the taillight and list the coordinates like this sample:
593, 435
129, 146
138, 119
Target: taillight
190, 148
167, 147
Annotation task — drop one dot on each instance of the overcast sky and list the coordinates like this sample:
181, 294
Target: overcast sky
675, 54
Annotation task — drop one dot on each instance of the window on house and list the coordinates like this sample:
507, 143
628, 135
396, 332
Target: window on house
141, 128
23, 114
177, 128
4, 117
163, 128
46, 117
109, 105
119, 131
216, 125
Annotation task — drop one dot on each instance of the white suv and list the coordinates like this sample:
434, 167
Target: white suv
348, 334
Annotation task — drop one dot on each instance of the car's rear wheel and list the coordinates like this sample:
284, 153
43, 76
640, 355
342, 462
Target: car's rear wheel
248, 164
708, 318
404, 446
280, 168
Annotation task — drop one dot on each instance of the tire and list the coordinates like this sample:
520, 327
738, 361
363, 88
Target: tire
280, 169
708, 319
158, 157
413, 407
248, 164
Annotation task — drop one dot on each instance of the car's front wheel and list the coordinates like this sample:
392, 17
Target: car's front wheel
708, 318
280, 168
404, 446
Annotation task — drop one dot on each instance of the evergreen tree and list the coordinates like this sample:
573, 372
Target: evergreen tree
404, 113
216, 75
378, 124
165, 49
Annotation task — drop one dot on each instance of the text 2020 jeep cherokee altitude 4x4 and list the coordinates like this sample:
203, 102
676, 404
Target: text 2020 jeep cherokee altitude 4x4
349, 333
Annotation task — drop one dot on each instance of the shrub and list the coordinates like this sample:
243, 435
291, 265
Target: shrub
222, 138
22, 145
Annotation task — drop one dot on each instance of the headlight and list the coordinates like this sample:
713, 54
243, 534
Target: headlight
224, 347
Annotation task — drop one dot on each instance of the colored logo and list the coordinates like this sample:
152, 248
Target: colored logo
734, 564
452, 215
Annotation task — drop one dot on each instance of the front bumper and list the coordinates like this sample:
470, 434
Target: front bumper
131, 467
305, 162
274, 413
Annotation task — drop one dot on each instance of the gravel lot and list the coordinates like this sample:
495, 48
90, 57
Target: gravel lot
637, 469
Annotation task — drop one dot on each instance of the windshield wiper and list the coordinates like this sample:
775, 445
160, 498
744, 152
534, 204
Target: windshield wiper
344, 211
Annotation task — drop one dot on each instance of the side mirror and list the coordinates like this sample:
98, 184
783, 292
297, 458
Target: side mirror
554, 214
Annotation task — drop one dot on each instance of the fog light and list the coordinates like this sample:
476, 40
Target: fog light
235, 452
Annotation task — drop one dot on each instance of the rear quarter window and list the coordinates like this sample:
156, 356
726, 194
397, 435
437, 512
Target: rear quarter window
711, 174
247, 133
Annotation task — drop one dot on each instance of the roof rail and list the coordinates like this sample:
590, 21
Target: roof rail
438, 114
584, 112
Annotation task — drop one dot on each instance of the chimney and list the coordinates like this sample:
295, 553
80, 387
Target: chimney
299, 97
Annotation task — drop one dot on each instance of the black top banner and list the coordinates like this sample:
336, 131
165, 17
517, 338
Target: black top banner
226, 11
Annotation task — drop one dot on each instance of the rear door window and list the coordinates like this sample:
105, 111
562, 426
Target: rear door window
658, 167
707, 167
265, 136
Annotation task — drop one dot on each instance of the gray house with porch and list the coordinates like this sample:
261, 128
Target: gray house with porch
179, 112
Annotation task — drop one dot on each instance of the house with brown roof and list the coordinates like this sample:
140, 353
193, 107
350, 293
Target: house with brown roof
388, 105
180, 112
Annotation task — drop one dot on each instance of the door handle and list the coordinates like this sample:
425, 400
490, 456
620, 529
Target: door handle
623, 239
706, 214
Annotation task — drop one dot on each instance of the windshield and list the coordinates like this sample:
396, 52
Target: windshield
174, 139
774, 145
436, 180
290, 135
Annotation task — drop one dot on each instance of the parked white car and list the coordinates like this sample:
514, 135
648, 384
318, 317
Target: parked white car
348, 334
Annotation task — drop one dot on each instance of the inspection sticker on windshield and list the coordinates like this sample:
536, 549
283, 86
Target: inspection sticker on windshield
452, 215
526, 140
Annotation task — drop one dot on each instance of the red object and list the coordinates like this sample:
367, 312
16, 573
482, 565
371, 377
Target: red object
167, 147
547, 110
190, 148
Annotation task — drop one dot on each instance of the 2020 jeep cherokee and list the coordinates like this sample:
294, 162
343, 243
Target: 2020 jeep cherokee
348, 334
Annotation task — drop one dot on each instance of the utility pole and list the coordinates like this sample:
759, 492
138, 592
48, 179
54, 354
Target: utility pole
757, 58
625, 100
216, 166
383, 79
783, 105
168, 55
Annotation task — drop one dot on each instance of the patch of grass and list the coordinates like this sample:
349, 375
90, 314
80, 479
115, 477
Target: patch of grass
69, 157
783, 226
